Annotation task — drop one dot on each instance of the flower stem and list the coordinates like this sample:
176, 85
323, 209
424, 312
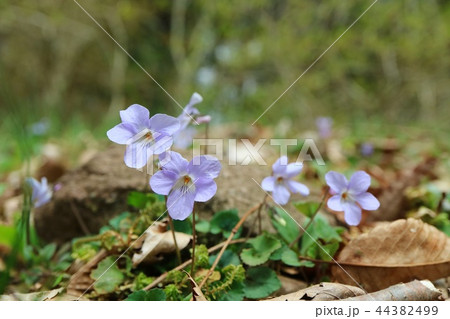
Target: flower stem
303, 230
259, 214
224, 247
193, 242
206, 137
172, 229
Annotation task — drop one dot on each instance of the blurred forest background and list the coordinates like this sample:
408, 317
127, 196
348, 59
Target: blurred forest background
58, 69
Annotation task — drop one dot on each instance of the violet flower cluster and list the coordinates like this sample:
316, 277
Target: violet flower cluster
348, 196
181, 181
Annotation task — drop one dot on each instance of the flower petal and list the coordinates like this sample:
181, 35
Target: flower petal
195, 99
367, 201
180, 203
137, 155
359, 182
161, 144
163, 181
204, 166
165, 124
281, 194
174, 162
298, 188
293, 169
183, 138
336, 181
334, 203
268, 183
136, 114
279, 167
205, 189
352, 213
121, 133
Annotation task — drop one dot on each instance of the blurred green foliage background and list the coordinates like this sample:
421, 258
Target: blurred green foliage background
391, 68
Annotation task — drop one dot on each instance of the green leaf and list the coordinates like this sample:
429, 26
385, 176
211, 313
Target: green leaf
307, 208
155, 294
47, 252
253, 257
261, 282
228, 258
276, 255
107, 279
290, 258
262, 247
120, 221
7, 234
328, 251
284, 224
183, 226
224, 222
236, 292
202, 226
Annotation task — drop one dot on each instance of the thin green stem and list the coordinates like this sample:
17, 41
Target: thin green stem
172, 229
303, 230
193, 242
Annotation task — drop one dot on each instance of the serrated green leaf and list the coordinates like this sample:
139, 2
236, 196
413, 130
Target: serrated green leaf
284, 224
108, 277
155, 294
276, 255
262, 247
228, 258
252, 257
236, 293
260, 282
224, 222
265, 242
290, 258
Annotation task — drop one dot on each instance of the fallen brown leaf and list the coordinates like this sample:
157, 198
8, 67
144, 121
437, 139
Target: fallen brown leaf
401, 251
81, 280
158, 240
411, 291
325, 291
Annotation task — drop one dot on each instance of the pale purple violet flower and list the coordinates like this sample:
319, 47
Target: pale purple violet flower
185, 182
183, 138
351, 196
324, 125
143, 136
41, 192
281, 184
185, 135
366, 149
189, 111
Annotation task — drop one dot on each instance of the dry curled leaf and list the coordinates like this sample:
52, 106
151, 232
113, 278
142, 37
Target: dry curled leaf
81, 280
158, 240
34, 296
322, 292
401, 251
412, 291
